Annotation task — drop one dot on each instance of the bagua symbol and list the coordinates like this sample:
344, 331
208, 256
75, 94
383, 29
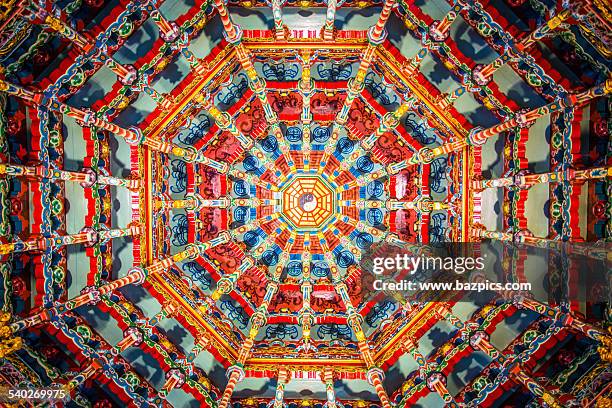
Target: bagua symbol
308, 202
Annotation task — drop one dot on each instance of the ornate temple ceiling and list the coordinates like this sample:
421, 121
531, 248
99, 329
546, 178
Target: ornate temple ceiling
188, 190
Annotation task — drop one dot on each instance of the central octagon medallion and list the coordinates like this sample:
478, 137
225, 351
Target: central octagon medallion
308, 202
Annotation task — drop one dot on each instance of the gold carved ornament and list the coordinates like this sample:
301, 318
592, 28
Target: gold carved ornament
603, 402
605, 349
9, 343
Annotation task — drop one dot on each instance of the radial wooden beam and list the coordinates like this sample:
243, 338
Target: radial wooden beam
128, 75
374, 375
389, 122
329, 30
528, 180
88, 236
233, 34
133, 135
281, 32
135, 276
306, 86
85, 178
376, 36
235, 373
479, 136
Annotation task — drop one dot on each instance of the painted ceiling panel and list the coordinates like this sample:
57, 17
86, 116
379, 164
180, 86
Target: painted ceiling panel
470, 43
191, 193
94, 88
139, 43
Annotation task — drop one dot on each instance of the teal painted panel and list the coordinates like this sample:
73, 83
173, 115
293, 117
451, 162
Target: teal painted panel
255, 387
401, 38
119, 156
208, 38
139, 43
512, 85
436, 9
491, 200
301, 19
474, 111
401, 369
357, 19
75, 208
172, 75
492, 156
94, 89
136, 112
145, 365
257, 18
437, 335
470, 42
179, 398
77, 265
507, 330
173, 9
104, 324
537, 147
123, 256
431, 400
438, 74
177, 334
465, 370
75, 148
215, 370
121, 202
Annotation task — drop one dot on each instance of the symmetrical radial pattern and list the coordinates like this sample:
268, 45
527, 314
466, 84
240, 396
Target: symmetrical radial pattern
308, 201
189, 191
